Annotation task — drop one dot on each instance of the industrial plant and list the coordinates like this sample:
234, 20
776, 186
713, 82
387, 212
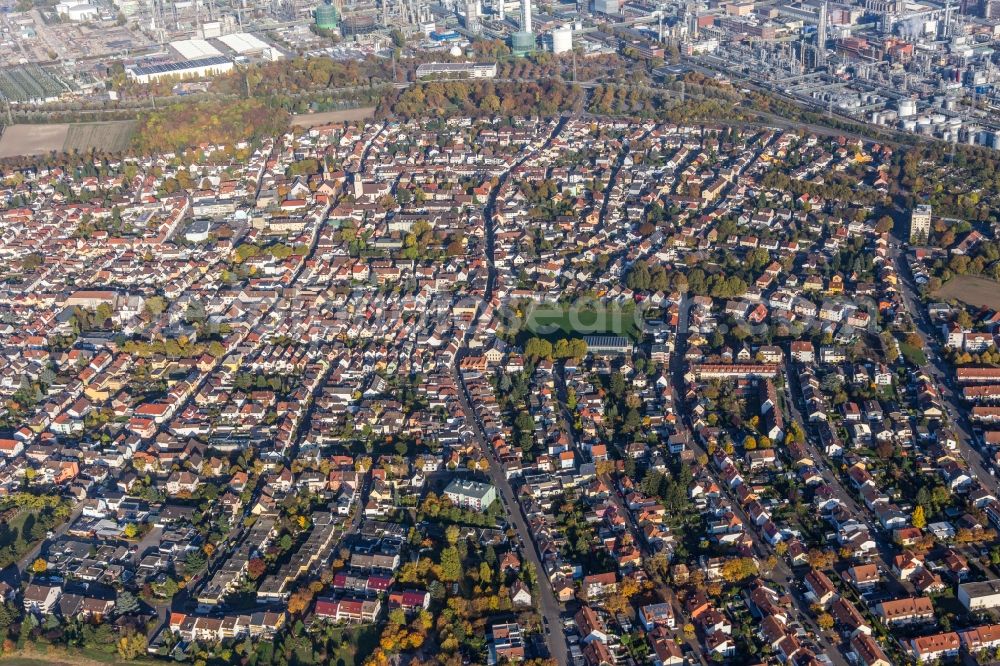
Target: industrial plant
918, 66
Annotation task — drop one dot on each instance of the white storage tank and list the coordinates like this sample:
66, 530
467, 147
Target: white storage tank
562, 40
907, 107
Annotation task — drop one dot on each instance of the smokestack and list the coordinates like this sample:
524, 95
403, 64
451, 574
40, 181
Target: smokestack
821, 36
526, 15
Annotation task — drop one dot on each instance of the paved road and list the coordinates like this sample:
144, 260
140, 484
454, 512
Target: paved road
21, 570
938, 370
548, 605
886, 551
782, 573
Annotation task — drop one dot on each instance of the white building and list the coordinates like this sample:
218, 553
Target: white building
457, 70
76, 11
920, 223
607, 7
186, 69
41, 598
471, 494
980, 595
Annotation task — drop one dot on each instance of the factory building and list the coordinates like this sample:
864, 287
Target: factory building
607, 7
194, 49
247, 45
184, 69
457, 70
76, 11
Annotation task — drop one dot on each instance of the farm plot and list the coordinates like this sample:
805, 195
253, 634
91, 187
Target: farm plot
976, 291
27, 140
112, 137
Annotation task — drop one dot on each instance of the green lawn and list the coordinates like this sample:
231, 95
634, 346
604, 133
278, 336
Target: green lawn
13, 539
356, 644
548, 319
913, 354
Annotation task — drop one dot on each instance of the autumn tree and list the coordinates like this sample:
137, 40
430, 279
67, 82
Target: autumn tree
451, 565
132, 645
256, 568
299, 601
738, 569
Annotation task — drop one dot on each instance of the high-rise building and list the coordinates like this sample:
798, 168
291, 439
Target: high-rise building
920, 223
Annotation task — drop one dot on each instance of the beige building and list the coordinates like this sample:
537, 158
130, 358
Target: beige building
920, 223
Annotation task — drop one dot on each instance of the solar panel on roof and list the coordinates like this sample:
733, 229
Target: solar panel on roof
179, 66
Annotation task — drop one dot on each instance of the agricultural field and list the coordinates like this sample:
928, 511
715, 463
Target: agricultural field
24, 140
113, 136
324, 117
32, 139
976, 291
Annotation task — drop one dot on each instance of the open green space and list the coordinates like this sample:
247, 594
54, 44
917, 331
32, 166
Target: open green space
570, 320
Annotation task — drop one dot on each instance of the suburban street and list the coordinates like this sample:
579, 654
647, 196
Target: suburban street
782, 573
547, 604
938, 370
15, 574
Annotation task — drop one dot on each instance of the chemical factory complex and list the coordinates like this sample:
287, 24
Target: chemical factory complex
918, 67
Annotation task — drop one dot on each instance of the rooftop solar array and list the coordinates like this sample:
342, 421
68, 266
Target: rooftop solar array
179, 66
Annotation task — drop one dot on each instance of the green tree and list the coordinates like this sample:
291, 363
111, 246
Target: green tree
451, 565
126, 603
538, 348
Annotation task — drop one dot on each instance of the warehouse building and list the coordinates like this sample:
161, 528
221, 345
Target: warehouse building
194, 49
184, 69
250, 46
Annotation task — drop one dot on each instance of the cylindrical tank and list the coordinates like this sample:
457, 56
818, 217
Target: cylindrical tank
562, 40
907, 107
326, 17
358, 24
522, 43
